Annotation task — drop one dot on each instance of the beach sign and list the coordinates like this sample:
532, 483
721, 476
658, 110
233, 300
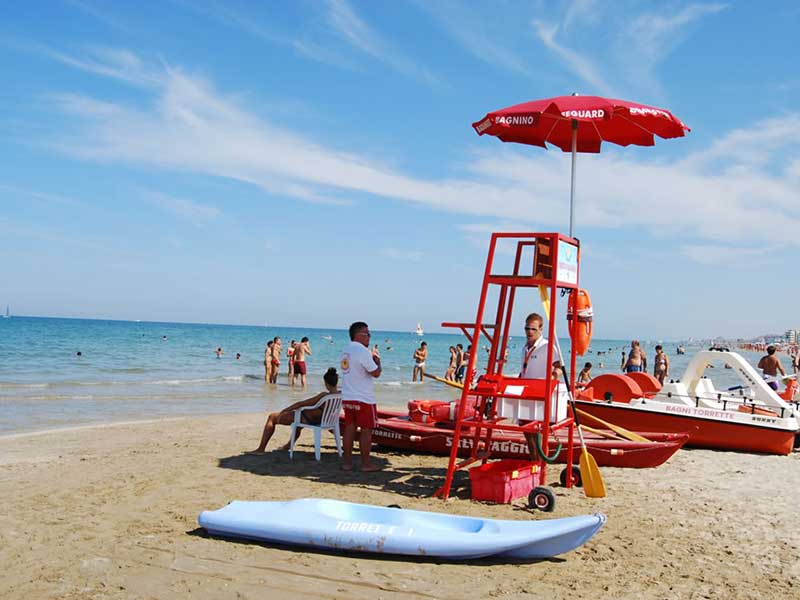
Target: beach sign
567, 267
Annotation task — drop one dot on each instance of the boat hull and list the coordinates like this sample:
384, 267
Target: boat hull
704, 432
396, 431
346, 526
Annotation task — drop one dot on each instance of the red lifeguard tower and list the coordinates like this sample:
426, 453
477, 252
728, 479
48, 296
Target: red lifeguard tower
496, 401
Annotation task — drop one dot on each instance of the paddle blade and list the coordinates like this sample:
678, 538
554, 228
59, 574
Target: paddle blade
593, 485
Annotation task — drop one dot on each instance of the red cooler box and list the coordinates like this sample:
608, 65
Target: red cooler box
502, 481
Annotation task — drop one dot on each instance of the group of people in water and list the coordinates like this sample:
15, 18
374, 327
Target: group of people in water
296, 354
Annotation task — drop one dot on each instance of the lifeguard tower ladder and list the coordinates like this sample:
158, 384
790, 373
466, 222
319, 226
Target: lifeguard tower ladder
497, 401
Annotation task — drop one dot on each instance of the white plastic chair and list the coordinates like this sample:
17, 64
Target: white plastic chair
331, 407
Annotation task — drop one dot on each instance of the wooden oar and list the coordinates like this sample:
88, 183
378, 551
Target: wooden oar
545, 296
454, 384
593, 485
628, 435
602, 433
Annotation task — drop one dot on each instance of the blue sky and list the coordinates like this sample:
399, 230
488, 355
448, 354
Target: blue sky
311, 163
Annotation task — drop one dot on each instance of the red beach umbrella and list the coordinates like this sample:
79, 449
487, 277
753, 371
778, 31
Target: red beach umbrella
580, 124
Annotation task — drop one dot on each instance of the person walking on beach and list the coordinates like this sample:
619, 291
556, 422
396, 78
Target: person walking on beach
268, 362
660, 365
770, 365
450, 374
286, 416
636, 362
534, 363
301, 350
275, 359
359, 367
420, 355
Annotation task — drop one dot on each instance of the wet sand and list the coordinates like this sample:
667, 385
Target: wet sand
111, 512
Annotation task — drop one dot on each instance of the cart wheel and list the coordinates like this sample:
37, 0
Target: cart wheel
542, 498
576, 477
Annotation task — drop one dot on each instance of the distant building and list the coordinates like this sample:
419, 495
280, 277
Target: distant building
791, 336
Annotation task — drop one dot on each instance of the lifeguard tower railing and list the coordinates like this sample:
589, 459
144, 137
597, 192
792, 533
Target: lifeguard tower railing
551, 263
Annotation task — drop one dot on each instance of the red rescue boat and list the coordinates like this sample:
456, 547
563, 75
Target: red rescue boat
396, 430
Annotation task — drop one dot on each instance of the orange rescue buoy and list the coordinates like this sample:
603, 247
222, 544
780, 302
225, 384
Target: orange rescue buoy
579, 320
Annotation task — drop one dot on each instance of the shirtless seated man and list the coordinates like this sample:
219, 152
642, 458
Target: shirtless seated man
286, 416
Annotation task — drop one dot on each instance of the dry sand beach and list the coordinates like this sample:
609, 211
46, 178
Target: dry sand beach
111, 512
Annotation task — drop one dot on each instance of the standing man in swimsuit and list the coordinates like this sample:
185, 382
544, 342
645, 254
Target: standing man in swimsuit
359, 368
459, 375
450, 374
268, 362
770, 365
276, 358
301, 350
661, 365
420, 355
637, 361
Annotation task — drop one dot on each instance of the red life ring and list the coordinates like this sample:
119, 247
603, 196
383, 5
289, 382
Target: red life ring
580, 328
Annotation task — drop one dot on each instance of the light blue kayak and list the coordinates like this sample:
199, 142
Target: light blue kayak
333, 524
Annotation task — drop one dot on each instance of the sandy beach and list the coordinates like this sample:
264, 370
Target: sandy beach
111, 512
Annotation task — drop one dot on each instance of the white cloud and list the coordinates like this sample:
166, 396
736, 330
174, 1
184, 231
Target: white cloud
43, 197
182, 208
577, 63
190, 126
485, 39
648, 38
656, 35
344, 21
725, 255
118, 64
581, 11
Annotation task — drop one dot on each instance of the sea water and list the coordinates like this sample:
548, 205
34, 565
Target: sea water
140, 370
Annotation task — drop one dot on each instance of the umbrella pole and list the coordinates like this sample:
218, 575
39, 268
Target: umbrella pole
572, 183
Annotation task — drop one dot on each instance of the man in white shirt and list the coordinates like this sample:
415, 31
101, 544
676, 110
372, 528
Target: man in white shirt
359, 367
534, 352
534, 362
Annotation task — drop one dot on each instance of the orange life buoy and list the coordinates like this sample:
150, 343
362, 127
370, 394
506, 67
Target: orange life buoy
579, 320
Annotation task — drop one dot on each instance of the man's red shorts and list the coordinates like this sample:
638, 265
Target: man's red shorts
360, 413
300, 367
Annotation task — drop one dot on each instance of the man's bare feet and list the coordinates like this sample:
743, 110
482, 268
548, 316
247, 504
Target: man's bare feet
370, 468
284, 447
347, 467
256, 452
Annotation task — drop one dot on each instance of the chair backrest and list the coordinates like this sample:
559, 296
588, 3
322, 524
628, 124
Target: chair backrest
331, 410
